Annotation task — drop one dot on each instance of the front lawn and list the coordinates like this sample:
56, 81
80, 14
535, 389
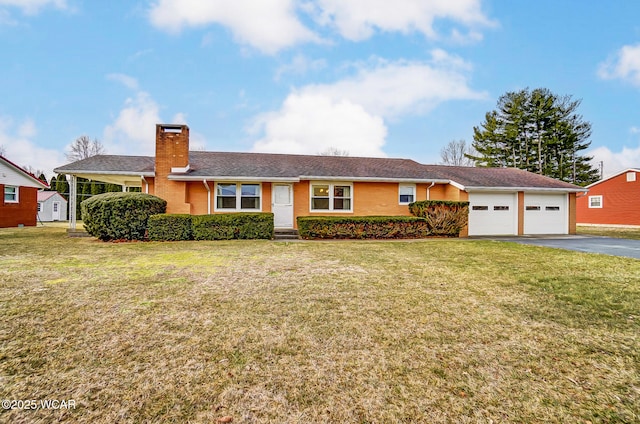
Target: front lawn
440, 330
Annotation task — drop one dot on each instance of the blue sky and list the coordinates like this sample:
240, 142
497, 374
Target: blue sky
373, 77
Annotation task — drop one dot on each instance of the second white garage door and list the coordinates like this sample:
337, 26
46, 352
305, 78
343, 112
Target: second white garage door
545, 214
493, 214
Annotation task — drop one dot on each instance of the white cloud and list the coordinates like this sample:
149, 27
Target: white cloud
133, 130
17, 140
357, 20
272, 25
613, 162
390, 89
350, 113
308, 124
267, 25
31, 7
625, 65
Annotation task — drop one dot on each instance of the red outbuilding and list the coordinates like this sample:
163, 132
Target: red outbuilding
612, 201
20, 189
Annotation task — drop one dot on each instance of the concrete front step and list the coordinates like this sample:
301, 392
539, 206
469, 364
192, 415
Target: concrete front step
285, 234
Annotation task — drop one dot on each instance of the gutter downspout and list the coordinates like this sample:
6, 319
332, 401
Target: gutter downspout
206, 185
429, 190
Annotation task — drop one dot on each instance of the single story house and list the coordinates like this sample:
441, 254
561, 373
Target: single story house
52, 206
502, 201
614, 200
20, 195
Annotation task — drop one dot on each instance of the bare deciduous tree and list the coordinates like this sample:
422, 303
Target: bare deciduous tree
3, 150
33, 171
333, 151
84, 148
456, 153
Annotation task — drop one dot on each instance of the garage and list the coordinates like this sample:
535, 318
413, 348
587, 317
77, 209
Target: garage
545, 213
493, 214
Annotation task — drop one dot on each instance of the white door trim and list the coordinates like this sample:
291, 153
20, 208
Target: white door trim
55, 212
282, 211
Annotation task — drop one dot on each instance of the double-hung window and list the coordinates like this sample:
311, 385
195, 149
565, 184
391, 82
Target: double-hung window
10, 194
238, 197
407, 193
331, 197
595, 202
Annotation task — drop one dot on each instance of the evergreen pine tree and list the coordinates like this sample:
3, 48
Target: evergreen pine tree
538, 131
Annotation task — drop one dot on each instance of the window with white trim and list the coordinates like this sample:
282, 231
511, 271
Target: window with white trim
331, 197
10, 194
406, 193
238, 197
595, 201
631, 177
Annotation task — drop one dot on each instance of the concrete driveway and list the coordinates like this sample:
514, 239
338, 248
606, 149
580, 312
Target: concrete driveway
592, 244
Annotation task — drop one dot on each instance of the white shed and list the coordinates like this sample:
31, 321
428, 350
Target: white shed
52, 206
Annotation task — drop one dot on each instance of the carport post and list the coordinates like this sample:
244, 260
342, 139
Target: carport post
72, 202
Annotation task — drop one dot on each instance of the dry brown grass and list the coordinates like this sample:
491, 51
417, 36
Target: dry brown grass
618, 232
429, 331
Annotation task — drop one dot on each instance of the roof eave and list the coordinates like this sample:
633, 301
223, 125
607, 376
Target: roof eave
374, 179
93, 172
617, 174
545, 189
174, 177
32, 177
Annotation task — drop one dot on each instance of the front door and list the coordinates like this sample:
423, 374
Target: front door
55, 215
282, 205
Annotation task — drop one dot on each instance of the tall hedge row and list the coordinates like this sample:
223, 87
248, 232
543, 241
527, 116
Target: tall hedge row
170, 227
444, 218
120, 216
362, 227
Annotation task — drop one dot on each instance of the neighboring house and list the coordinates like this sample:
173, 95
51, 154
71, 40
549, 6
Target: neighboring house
52, 206
612, 201
502, 201
20, 195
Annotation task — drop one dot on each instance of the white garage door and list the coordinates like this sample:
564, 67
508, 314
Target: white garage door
545, 214
493, 214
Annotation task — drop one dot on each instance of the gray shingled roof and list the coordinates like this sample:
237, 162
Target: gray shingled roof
280, 166
133, 165
471, 177
264, 165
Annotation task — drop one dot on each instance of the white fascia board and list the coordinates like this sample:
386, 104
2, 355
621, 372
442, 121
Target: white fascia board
22, 178
617, 174
183, 169
373, 179
80, 173
528, 189
457, 185
232, 178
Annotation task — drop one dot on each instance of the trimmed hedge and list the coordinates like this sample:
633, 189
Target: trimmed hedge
445, 218
243, 225
362, 227
170, 227
120, 216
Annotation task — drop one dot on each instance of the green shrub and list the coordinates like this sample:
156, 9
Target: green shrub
116, 216
249, 225
362, 227
445, 218
170, 227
